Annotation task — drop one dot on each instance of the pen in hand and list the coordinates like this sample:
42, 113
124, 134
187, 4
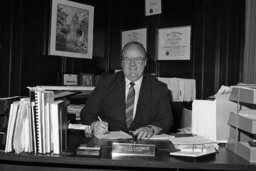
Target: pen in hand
102, 122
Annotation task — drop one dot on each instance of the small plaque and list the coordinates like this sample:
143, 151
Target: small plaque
132, 149
87, 150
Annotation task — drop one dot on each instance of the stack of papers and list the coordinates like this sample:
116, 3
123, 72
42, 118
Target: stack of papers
194, 146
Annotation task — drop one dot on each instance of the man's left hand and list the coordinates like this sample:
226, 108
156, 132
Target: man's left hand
143, 132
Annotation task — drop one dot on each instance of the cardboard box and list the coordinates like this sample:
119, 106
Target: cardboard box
246, 95
246, 151
242, 122
210, 117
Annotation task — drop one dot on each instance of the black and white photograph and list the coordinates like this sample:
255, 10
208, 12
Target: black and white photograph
150, 85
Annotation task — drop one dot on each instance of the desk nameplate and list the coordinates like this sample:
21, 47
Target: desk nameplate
133, 149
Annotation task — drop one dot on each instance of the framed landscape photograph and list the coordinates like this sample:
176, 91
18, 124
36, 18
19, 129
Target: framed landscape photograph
71, 32
86, 79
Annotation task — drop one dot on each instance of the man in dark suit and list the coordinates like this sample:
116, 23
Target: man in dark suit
129, 100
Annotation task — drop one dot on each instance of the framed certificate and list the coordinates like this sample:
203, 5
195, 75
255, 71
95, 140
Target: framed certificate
153, 7
174, 43
70, 79
138, 35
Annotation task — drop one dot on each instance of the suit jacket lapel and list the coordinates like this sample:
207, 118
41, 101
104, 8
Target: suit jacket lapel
144, 96
119, 92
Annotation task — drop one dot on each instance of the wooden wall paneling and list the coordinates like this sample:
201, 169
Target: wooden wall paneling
208, 65
115, 38
37, 67
5, 48
236, 42
198, 48
16, 49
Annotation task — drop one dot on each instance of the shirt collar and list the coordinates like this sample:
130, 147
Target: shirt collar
138, 82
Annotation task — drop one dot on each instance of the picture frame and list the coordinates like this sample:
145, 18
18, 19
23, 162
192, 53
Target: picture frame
138, 35
173, 43
153, 7
87, 79
71, 31
96, 79
70, 79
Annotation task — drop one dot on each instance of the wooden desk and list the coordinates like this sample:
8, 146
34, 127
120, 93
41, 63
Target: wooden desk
224, 160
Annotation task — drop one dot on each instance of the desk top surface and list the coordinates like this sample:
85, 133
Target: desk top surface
223, 160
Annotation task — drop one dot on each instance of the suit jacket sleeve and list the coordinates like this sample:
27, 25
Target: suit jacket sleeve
93, 104
164, 117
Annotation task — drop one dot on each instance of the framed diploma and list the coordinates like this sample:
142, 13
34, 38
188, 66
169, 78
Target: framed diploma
153, 7
174, 43
138, 35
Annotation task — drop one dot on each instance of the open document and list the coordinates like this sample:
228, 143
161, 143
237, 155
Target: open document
112, 135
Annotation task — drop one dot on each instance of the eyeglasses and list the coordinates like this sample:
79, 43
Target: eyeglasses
137, 60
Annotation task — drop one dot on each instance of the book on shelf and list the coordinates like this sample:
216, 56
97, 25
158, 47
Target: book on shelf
11, 125
5, 104
58, 126
50, 121
19, 133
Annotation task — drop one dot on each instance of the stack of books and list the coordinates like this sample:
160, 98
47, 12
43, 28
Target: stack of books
37, 124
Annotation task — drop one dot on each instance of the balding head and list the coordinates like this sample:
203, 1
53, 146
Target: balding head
135, 44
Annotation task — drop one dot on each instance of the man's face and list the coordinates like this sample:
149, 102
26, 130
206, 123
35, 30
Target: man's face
133, 62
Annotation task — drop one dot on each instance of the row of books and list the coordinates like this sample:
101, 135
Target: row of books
37, 124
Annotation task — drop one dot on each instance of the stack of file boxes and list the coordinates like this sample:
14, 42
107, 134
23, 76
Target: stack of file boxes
243, 123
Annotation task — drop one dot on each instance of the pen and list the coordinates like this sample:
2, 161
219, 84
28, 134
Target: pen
101, 121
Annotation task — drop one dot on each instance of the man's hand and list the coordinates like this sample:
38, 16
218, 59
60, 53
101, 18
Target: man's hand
99, 127
144, 132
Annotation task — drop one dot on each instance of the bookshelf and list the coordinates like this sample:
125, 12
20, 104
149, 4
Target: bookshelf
243, 123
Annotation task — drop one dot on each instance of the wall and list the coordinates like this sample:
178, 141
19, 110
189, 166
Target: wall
216, 42
24, 46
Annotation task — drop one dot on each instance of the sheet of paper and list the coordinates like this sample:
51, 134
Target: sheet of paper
112, 135
78, 126
191, 140
162, 137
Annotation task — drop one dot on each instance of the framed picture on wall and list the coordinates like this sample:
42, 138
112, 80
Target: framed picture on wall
173, 43
86, 79
71, 33
139, 35
153, 7
70, 79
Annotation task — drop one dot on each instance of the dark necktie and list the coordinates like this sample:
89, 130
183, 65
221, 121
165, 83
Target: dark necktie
130, 105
